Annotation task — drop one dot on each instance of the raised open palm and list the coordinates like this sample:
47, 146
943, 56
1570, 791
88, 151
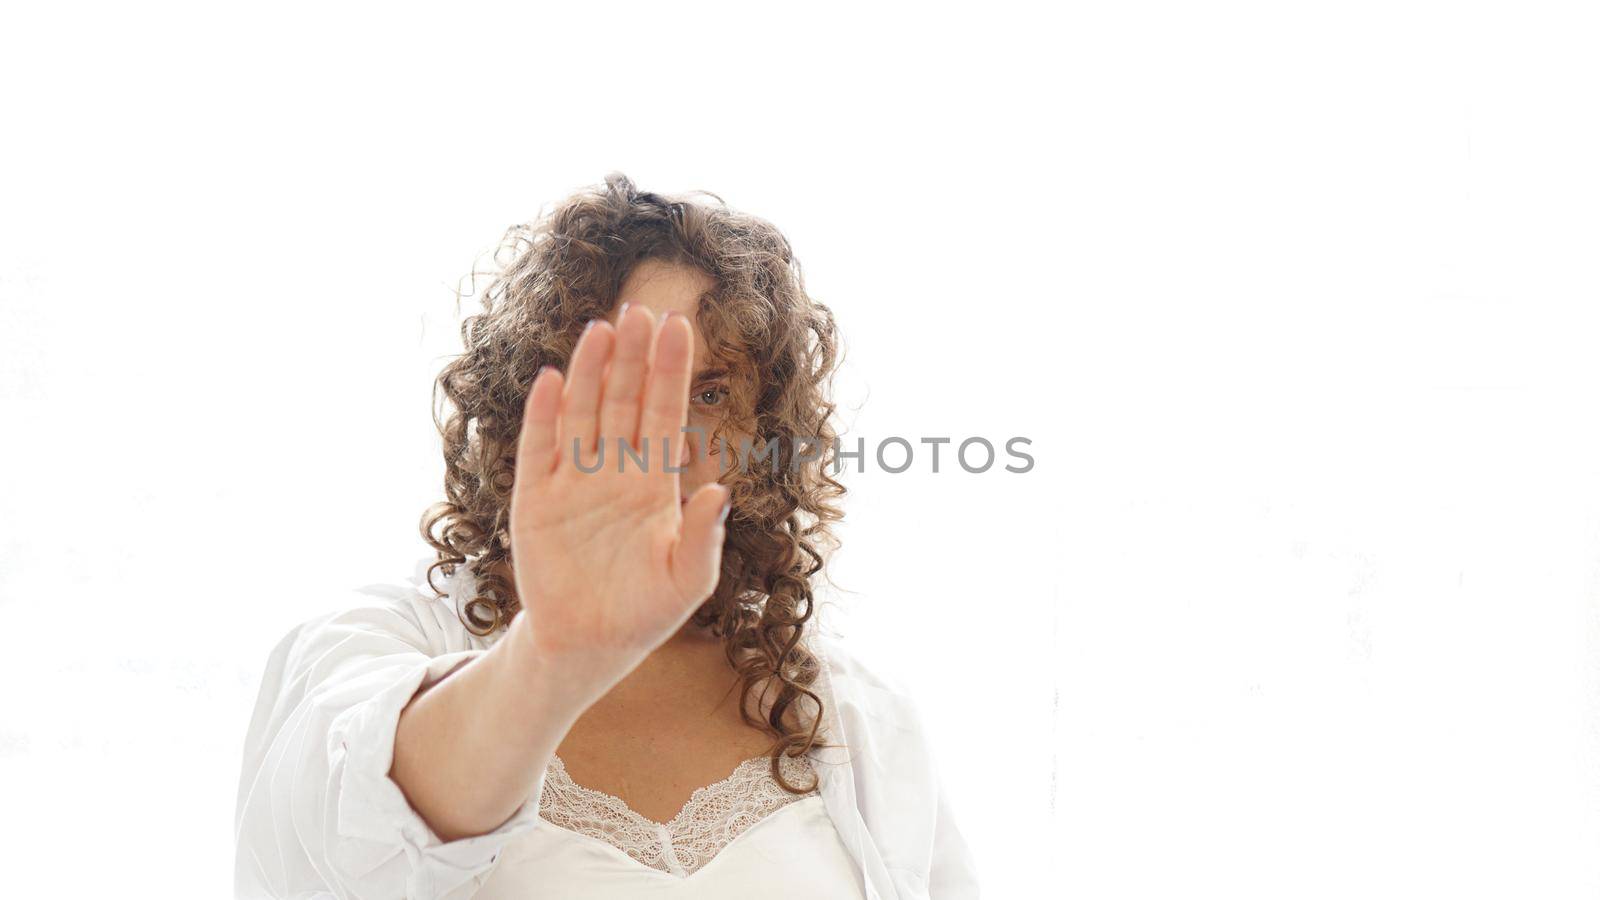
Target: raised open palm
609, 564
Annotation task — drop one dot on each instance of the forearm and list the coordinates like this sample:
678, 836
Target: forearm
470, 748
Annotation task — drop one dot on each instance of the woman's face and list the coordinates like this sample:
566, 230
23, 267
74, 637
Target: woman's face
664, 287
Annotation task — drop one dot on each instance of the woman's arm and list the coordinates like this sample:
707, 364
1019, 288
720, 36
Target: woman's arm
470, 747
318, 811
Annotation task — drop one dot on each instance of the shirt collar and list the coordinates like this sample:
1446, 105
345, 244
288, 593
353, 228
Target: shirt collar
837, 776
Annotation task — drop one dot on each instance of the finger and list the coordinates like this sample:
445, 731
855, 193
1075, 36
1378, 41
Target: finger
580, 404
536, 443
666, 393
619, 400
697, 557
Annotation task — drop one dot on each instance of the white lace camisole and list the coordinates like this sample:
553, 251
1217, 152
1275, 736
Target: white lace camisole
744, 836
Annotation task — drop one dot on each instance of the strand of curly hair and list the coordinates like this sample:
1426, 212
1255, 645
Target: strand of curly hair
780, 348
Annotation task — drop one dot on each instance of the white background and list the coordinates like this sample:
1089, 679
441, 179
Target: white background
1296, 303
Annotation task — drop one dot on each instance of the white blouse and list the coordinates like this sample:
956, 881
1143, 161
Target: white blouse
318, 815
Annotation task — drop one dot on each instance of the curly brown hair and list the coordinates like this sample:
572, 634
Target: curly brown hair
780, 349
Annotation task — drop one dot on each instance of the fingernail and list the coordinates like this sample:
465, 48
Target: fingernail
726, 505
622, 312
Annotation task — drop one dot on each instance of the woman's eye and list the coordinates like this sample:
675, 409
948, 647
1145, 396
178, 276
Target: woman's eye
711, 396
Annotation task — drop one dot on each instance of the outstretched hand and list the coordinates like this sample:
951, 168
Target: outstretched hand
610, 563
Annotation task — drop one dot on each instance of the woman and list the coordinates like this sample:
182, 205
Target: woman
614, 689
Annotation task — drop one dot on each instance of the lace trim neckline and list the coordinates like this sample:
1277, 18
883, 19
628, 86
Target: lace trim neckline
709, 820
756, 765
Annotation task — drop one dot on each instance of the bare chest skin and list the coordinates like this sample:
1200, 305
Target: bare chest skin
670, 727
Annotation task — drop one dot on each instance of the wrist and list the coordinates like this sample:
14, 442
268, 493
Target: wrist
553, 684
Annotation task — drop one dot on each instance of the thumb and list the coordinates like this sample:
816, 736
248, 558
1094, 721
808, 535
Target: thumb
698, 554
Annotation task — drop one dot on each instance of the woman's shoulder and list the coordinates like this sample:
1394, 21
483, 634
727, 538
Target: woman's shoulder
863, 680
405, 612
